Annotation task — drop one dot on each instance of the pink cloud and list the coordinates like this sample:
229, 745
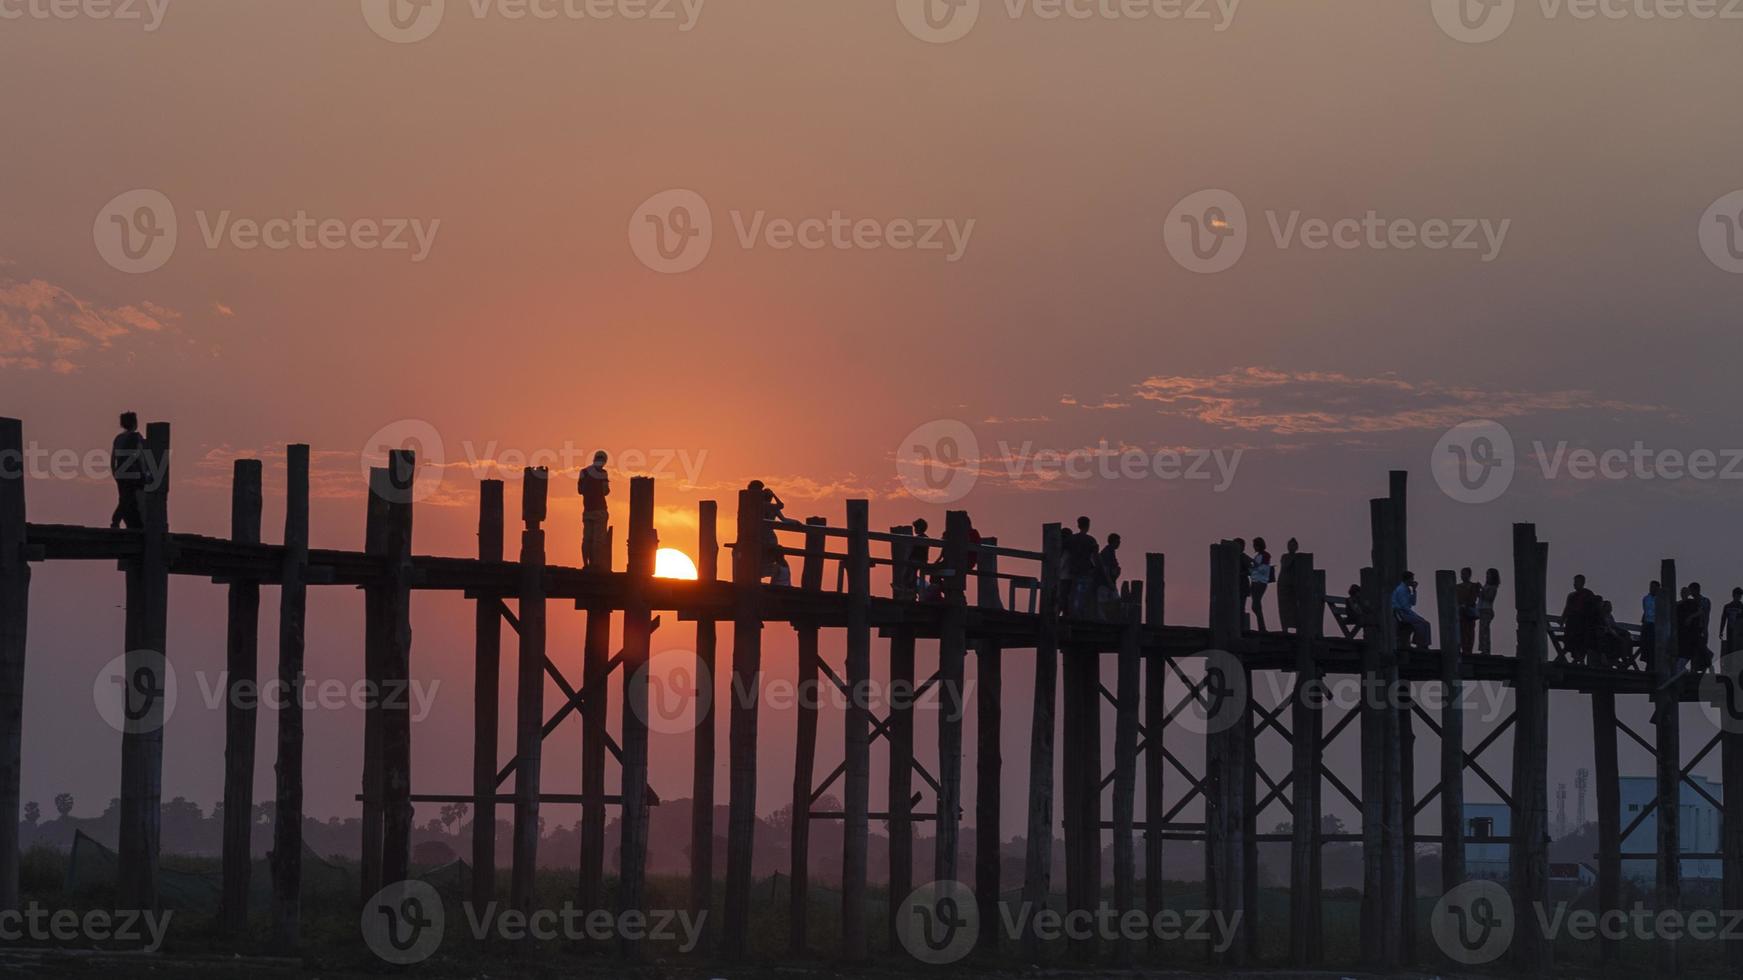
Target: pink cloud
43, 326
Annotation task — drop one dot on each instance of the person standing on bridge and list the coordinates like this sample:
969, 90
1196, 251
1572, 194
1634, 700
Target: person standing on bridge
1260, 578
1107, 569
1080, 558
127, 466
1579, 616
594, 486
1649, 624
1486, 612
1731, 624
1466, 597
1404, 608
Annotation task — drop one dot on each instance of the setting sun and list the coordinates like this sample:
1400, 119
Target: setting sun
672, 563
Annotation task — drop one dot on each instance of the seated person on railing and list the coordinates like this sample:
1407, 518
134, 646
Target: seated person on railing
1404, 608
1611, 642
1356, 611
775, 567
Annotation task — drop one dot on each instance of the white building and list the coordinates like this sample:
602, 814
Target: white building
1699, 830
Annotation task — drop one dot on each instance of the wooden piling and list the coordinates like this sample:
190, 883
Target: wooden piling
637, 652
989, 757
595, 710
1306, 727
241, 713
395, 697
1452, 734
1529, 853
1155, 746
746, 695
1038, 859
1667, 710
529, 689
1127, 696
900, 791
486, 693
14, 622
1731, 830
805, 750
952, 656
1609, 800
1225, 772
707, 728
376, 641
856, 843
287, 836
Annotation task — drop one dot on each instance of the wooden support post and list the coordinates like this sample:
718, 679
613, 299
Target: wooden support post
901, 737
486, 695
1226, 777
746, 688
1038, 860
702, 767
242, 665
1609, 799
805, 749
1127, 695
14, 622
375, 656
147, 656
1452, 734
595, 710
1667, 711
287, 834
395, 697
1529, 865
856, 844
952, 655
1731, 824
637, 652
529, 690
1155, 727
1383, 851
989, 758
1306, 919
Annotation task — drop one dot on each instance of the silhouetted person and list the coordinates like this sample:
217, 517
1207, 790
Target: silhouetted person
1691, 635
1246, 578
775, 566
594, 486
127, 466
1259, 578
1404, 607
1466, 597
1731, 624
1579, 620
1649, 625
1080, 555
1486, 611
1107, 567
1357, 606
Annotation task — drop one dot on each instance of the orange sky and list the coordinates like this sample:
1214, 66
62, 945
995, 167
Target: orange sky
531, 325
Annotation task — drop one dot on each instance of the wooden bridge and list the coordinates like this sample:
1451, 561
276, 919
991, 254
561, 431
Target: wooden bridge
978, 612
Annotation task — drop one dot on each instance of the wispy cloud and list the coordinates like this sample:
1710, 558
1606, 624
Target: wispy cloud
1332, 403
45, 327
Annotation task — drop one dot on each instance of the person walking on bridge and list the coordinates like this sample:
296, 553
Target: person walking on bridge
1486, 612
1261, 576
127, 466
1467, 596
1731, 624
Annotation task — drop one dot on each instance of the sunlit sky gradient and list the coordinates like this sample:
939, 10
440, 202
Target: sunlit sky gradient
533, 327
